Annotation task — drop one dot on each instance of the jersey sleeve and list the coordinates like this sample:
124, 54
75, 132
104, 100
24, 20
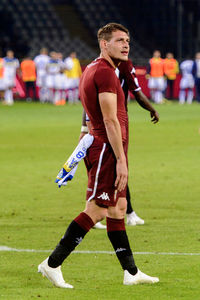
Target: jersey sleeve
133, 82
106, 81
128, 73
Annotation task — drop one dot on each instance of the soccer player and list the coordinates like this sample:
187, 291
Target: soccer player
186, 82
61, 82
171, 70
11, 67
103, 100
196, 75
73, 74
53, 68
2, 85
41, 62
29, 77
155, 74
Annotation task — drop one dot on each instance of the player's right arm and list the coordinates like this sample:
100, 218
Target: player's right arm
108, 104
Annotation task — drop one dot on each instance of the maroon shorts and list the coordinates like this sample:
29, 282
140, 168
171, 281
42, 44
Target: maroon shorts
101, 166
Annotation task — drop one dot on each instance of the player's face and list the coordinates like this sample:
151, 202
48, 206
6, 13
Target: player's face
118, 46
198, 55
53, 55
10, 54
156, 54
170, 55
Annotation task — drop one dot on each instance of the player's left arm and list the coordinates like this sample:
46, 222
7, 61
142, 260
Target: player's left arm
144, 103
142, 100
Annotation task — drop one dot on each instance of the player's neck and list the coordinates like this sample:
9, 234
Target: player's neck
114, 63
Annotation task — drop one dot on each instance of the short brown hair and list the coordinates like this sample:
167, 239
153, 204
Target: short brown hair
105, 32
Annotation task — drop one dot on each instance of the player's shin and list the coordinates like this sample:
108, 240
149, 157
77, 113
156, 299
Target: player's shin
129, 209
117, 234
72, 238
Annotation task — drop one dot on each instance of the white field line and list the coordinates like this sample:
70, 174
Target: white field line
5, 248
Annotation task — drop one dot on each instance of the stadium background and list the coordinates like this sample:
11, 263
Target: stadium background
67, 25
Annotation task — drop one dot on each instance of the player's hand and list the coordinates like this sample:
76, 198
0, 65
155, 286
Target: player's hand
122, 175
154, 117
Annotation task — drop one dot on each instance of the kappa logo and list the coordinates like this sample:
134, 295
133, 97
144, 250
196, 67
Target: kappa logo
120, 250
79, 240
104, 196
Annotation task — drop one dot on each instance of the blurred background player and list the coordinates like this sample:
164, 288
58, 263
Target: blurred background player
60, 82
41, 62
2, 86
53, 68
171, 69
29, 77
11, 67
73, 75
155, 76
196, 75
186, 82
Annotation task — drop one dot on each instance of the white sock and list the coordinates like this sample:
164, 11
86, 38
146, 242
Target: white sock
152, 95
158, 96
43, 94
63, 94
190, 96
182, 96
9, 96
57, 96
76, 95
70, 96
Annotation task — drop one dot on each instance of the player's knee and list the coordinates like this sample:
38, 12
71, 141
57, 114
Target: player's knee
96, 212
121, 207
119, 211
98, 216
122, 211
122, 203
101, 213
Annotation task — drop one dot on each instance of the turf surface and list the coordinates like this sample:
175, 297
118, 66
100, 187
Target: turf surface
35, 140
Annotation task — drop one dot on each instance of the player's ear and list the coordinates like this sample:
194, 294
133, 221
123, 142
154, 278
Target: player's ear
103, 44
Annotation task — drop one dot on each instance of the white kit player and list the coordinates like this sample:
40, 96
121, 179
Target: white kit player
186, 82
53, 69
2, 86
41, 62
61, 82
10, 65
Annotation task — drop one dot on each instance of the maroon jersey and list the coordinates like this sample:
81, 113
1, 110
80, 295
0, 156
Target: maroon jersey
100, 77
128, 78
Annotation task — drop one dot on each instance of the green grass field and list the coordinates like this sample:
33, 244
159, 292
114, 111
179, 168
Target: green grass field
164, 159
